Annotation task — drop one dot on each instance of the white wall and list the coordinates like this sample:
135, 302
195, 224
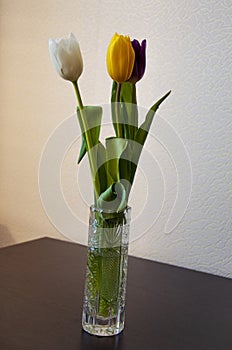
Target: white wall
189, 52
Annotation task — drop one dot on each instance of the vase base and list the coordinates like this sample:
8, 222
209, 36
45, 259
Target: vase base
103, 327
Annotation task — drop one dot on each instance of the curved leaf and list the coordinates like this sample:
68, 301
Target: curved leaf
97, 155
114, 149
113, 199
142, 132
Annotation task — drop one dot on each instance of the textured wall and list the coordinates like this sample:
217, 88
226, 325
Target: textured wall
189, 151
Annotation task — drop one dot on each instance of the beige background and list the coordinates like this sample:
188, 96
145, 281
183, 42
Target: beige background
188, 51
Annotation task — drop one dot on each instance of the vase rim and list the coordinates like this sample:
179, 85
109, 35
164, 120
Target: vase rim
108, 211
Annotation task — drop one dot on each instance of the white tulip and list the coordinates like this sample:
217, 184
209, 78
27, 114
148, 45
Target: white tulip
66, 57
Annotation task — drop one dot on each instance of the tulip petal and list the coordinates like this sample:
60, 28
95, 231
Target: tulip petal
120, 58
140, 60
53, 54
66, 57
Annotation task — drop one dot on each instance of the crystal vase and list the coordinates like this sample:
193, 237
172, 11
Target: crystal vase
106, 273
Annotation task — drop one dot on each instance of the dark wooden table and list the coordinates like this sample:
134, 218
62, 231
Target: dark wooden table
168, 308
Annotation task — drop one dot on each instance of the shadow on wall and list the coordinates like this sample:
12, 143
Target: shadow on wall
5, 236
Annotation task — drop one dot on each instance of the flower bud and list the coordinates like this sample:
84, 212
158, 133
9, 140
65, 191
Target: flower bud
120, 58
140, 61
66, 57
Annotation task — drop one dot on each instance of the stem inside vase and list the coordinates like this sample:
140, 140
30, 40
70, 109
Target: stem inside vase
105, 287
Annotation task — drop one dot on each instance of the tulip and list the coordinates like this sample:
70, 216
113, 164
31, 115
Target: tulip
120, 58
140, 61
66, 57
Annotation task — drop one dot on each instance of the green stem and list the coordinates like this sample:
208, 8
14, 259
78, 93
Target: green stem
88, 140
134, 112
134, 99
106, 266
118, 124
118, 90
78, 95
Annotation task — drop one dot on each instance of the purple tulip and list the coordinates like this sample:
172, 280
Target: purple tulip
140, 61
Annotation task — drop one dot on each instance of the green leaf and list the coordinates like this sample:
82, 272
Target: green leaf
128, 163
127, 92
114, 149
118, 113
130, 157
142, 132
128, 97
114, 199
82, 150
99, 176
124, 112
113, 109
113, 91
90, 123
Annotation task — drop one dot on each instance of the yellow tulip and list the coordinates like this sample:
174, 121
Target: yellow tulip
120, 58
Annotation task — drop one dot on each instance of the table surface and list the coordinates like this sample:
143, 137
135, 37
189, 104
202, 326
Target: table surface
167, 307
